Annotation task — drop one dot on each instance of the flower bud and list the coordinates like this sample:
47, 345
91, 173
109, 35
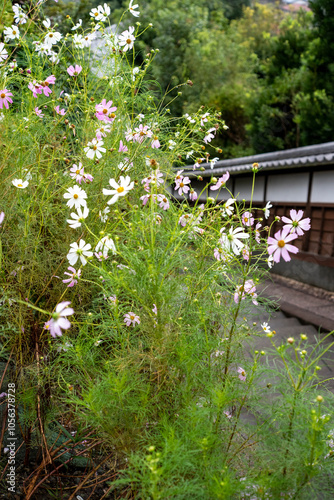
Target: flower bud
190, 83
290, 340
319, 399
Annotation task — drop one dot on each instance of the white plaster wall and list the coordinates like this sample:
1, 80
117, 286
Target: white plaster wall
288, 187
323, 187
243, 186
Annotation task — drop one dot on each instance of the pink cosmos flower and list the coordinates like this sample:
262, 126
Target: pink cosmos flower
245, 253
59, 111
39, 112
163, 202
131, 319
248, 288
155, 310
2, 216
295, 224
257, 232
155, 144
279, 245
5, 99
219, 253
147, 197
247, 219
102, 131
193, 195
74, 71
77, 172
74, 276
142, 132
87, 178
100, 257
181, 185
155, 178
122, 148
242, 374
59, 320
221, 182
105, 111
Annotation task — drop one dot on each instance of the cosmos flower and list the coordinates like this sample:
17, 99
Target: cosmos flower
78, 218
76, 197
73, 276
221, 182
19, 183
94, 148
59, 320
132, 9
125, 185
242, 374
279, 245
74, 70
79, 251
131, 319
5, 98
126, 39
296, 224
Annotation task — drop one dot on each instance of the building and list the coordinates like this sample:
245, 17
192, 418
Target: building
301, 178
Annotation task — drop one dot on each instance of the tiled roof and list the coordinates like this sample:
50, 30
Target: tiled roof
316, 155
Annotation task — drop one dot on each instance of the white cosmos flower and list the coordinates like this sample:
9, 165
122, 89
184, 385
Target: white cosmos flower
125, 185
3, 52
104, 245
94, 148
11, 33
231, 241
78, 41
103, 214
132, 9
79, 251
77, 25
126, 39
267, 209
52, 38
47, 23
19, 183
76, 197
78, 218
228, 207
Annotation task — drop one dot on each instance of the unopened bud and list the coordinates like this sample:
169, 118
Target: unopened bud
319, 399
190, 83
291, 340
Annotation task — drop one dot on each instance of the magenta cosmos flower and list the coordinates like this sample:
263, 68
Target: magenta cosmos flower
4, 98
131, 319
59, 111
74, 70
59, 320
279, 245
295, 224
39, 112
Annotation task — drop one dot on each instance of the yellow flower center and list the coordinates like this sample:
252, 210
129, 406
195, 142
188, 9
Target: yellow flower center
3, 95
77, 172
75, 196
128, 41
281, 243
50, 35
246, 219
120, 189
181, 184
96, 14
95, 148
112, 115
105, 111
19, 185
